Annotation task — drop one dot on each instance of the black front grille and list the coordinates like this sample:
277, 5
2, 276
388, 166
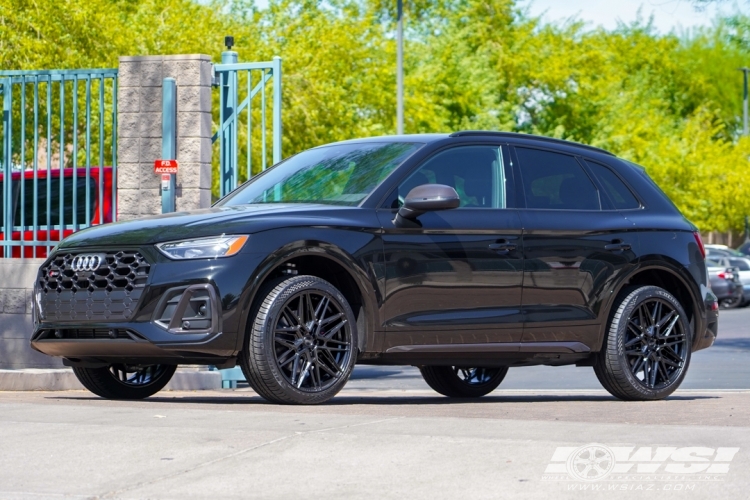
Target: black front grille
110, 293
87, 334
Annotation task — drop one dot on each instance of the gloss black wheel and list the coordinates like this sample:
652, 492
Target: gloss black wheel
462, 382
302, 345
647, 351
122, 381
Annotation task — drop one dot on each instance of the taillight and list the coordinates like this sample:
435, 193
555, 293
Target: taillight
698, 240
726, 275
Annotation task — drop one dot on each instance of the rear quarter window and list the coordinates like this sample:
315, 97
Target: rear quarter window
618, 193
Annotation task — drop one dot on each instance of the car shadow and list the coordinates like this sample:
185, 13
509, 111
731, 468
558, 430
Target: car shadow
398, 400
363, 374
738, 344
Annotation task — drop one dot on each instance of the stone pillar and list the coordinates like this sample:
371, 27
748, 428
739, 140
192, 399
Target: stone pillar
139, 103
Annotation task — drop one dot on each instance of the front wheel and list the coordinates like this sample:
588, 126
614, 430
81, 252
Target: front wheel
461, 382
301, 346
122, 381
647, 350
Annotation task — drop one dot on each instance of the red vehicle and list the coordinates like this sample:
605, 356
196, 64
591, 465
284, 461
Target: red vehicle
46, 228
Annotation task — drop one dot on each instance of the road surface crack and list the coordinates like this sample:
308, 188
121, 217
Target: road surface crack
116, 493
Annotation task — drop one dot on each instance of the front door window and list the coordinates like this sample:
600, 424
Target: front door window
475, 172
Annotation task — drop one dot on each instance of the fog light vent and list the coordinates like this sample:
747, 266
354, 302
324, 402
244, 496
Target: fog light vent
191, 309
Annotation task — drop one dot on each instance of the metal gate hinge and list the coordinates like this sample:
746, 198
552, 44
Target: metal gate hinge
215, 80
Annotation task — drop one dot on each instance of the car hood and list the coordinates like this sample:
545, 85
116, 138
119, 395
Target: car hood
240, 219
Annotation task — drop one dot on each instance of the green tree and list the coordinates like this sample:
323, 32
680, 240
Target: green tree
667, 101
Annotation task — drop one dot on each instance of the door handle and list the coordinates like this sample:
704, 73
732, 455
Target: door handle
617, 246
502, 247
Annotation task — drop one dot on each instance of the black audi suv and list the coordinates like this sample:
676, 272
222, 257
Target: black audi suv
462, 254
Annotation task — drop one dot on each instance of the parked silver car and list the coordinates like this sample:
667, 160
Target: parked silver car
714, 251
726, 284
742, 265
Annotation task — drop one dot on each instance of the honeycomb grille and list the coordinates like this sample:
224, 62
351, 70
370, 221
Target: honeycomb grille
110, 292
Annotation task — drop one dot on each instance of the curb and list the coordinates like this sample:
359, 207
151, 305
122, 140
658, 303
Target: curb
64, 380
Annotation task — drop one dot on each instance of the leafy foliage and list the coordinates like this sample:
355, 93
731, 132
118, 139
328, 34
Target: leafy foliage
667, 101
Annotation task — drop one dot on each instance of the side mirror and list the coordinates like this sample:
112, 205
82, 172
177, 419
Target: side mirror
426, 198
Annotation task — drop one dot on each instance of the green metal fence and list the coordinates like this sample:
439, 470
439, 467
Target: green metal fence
58, 156
244, 108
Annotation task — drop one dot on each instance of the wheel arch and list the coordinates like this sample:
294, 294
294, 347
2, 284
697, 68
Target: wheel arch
326, 261
668, 276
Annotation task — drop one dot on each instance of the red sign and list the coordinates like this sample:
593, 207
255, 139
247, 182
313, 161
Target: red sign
165, 167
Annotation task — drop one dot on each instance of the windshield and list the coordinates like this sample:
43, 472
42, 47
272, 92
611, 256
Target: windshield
342, 174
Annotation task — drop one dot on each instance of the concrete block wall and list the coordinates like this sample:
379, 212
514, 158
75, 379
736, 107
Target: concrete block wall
139, 103
16, 326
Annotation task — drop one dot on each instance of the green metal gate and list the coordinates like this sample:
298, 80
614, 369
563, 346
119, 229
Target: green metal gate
58, 157
244, 132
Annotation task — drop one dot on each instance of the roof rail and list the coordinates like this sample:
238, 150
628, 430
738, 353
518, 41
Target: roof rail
514, 135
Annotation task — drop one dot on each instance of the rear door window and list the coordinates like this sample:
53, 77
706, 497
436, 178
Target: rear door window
555, 181
740, 264
618, 193
14, 190
47, 201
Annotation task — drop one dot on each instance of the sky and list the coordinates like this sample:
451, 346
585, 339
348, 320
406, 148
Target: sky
668, 14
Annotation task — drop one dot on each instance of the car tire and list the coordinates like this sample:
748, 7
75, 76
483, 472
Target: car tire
646, 352
458, 382
731, 303
299, 356
125, 382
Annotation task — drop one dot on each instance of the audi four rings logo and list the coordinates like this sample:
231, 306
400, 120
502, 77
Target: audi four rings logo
87, 262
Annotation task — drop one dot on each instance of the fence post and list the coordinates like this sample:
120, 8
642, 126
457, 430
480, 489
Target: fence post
7, 167
168, 142
228, 138
276, 110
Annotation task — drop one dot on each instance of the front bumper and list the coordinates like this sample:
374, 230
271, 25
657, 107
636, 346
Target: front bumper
149, 335
130, 342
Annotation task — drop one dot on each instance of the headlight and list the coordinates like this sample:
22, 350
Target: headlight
203, 248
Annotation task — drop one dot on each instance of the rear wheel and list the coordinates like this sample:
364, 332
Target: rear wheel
647, 350
461, 382
121, 381
301, 348
731, 303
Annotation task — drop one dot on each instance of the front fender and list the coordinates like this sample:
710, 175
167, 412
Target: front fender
358, 252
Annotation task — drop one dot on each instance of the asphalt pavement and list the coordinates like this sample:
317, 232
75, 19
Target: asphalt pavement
373, 445
547, 432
